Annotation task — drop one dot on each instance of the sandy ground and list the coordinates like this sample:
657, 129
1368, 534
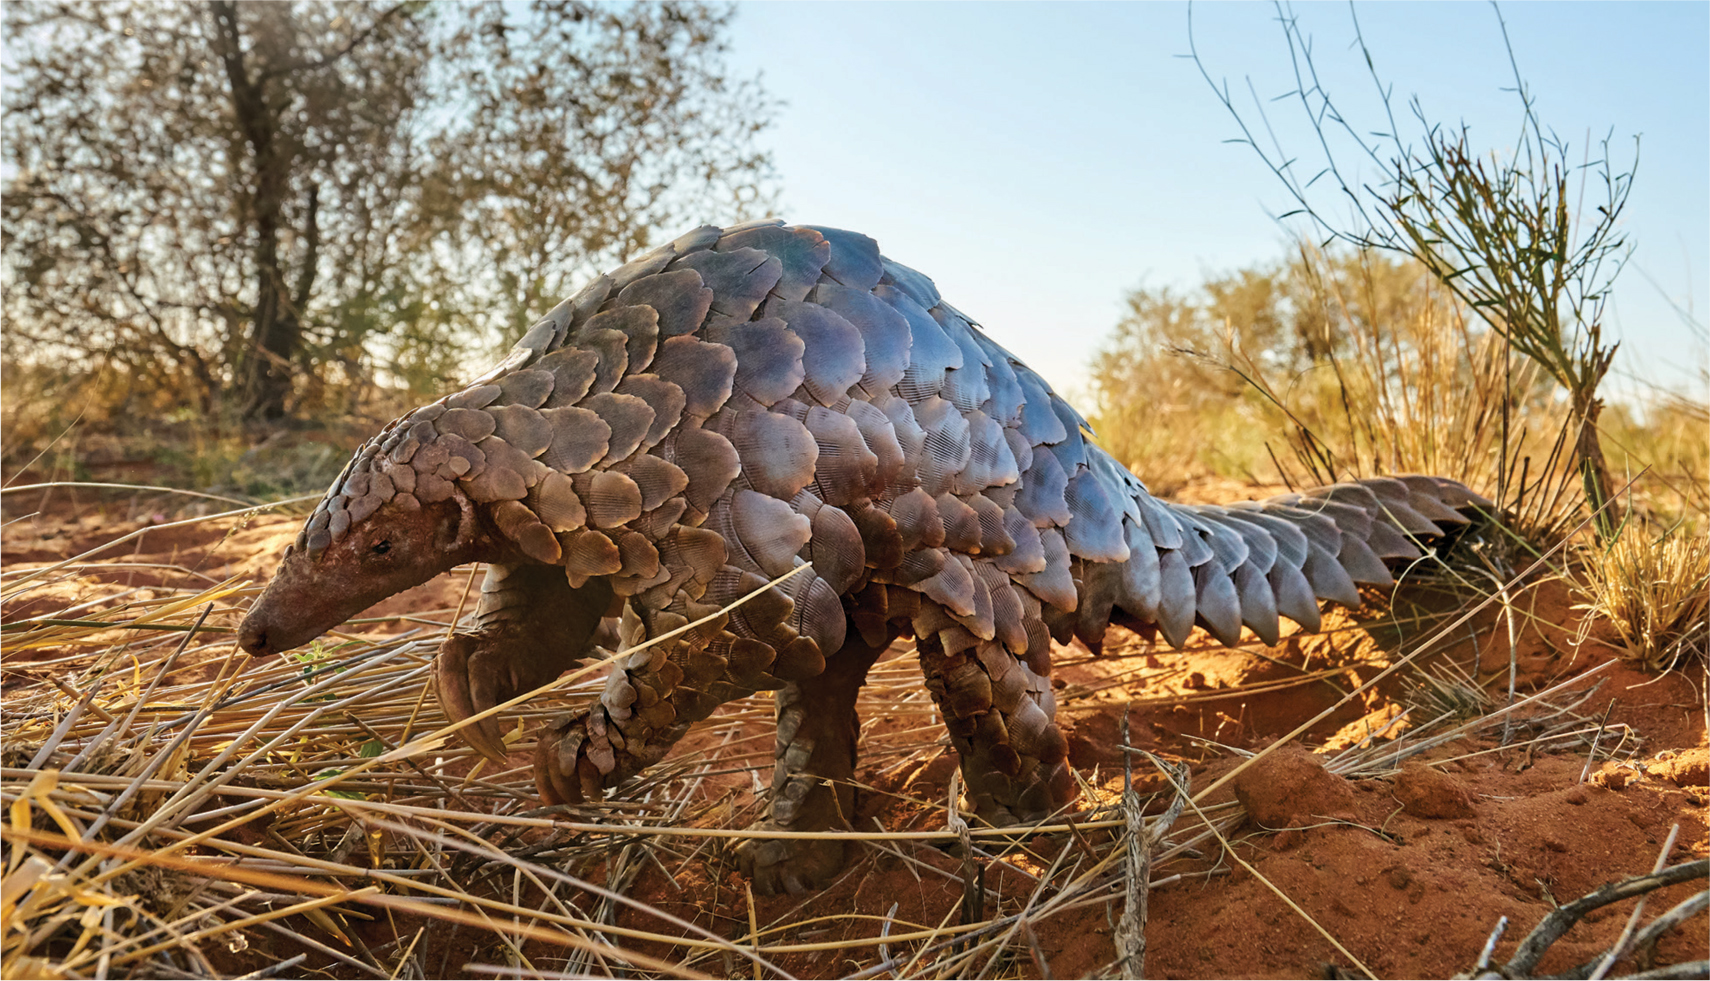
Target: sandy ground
1409, 871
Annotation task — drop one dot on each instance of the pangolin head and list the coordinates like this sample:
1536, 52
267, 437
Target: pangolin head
501, 471
367, 540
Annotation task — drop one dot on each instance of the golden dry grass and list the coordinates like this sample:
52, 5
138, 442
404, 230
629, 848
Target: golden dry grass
170, 798
173, 803
1654, 591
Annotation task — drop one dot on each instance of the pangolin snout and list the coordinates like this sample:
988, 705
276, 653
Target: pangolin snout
252, 637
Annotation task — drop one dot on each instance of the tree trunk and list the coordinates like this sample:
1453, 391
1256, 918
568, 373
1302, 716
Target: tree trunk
276, 335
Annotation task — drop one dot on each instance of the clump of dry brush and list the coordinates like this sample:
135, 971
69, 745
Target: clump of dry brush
1654, 591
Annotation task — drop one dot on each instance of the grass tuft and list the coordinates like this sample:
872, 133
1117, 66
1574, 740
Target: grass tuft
1655, 592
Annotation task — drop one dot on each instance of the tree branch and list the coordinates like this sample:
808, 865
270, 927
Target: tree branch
322, 64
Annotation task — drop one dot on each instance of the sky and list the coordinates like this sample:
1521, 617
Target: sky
1040, 161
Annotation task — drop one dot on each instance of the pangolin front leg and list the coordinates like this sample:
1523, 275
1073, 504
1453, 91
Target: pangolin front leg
811, 782
531, 626
651, 698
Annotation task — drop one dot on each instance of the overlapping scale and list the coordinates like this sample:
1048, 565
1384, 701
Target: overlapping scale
834, 354
639, 324
680, 300
801, 253
931, 353
854, 260
704, 372
739, 280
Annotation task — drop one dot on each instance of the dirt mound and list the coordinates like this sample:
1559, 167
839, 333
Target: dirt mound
1686, 768
1428, 793
1291, 786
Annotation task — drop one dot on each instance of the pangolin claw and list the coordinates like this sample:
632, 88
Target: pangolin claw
562, 771
460, 700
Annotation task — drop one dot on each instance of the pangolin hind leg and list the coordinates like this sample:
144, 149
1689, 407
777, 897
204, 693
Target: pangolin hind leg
811, 781
531, 626
1000, 712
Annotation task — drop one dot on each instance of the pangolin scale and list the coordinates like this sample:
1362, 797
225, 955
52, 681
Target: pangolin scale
742, 402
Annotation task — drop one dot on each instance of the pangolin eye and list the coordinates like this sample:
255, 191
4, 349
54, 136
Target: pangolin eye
381, 548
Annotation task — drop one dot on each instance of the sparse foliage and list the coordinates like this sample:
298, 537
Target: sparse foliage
1499, 233
1165, 405
1364, 360
245, 203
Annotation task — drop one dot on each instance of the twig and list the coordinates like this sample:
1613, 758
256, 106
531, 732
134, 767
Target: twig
1136, 871
131, 487
973, 870
1619, 947
1562, 918
50, 622
1645, 940
97, 550
1490, 947
1591, 757
753, 931
885, 933
1688, 970
1039, 960
78, 708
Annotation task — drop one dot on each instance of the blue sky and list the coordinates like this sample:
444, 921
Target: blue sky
1039, 161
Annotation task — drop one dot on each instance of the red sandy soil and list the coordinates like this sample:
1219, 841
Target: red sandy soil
1409, 873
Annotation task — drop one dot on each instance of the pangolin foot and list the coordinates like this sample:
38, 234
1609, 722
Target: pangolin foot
1006, 802
789, 865
563, 771
470, 678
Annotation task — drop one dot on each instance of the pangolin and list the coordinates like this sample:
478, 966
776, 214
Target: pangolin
742, 402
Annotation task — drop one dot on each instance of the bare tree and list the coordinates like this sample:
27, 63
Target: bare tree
247, 201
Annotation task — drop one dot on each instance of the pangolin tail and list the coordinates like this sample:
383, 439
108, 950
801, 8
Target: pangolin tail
1223, 567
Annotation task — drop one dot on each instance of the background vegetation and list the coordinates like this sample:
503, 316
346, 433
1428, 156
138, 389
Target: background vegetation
253, 211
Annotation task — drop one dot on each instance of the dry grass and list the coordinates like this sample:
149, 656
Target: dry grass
1655, 592
174, 804
1665, 444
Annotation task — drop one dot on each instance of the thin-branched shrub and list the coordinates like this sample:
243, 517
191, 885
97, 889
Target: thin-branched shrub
1332, 366
1503, 232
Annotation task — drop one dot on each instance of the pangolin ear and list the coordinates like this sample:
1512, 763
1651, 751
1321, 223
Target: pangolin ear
454, 526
